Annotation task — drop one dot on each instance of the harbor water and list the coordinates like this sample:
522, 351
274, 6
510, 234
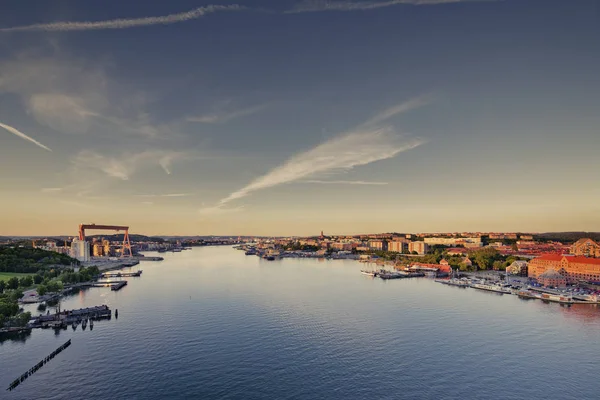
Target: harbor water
212, 323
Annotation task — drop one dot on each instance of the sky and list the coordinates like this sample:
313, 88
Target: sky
288, 117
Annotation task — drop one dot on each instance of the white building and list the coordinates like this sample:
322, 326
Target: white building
80, 249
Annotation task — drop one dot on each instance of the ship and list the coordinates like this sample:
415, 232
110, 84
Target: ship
491, 288
369, 273
453, 282
526, 294
250, 252
556, 298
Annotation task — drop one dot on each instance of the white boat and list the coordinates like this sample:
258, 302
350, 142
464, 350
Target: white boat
370, 273
491, 288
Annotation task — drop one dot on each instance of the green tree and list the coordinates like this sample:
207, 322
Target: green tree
54, 286
13, 283
2, 286
22, 319
42, 290
37, 279
26, 281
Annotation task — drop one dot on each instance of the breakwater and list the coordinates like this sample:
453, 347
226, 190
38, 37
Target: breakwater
37, 366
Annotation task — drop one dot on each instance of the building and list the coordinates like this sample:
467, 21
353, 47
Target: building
418, 247
398, 246
467, 262
551, 278
97, 250
586, 247
378, 245
573, 268
80, 249
465, 241
518, 268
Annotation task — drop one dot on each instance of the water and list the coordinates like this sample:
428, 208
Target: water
212, 323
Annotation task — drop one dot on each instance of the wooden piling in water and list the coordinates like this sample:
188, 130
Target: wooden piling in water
39, 365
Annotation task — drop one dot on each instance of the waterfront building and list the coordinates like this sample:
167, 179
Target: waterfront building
98, 250
551, 278
378, 245
573, 268
419, 247
80, 249
398, 246
518, 268
586, 247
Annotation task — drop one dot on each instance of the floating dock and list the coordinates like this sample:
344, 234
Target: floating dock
37, 366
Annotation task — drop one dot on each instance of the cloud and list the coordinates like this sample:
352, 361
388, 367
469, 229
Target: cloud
217, 118
346, 182
75, 96
398, 109
332, 5
20, 134
124, 165
125, 22
51, 190
343, 153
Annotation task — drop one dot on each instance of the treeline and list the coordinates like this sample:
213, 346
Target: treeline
483, 258
51, 281
31, 260
567, 237
9, 310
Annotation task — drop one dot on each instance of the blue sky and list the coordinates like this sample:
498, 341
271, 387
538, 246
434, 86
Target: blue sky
289, 117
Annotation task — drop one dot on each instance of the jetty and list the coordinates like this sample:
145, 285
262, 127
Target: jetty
64, 318
121, 274
37, 366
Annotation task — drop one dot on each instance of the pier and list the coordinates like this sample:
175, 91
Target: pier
37, 366
62, 319
121, 274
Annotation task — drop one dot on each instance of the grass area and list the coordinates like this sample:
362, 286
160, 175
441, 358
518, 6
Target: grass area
4, 276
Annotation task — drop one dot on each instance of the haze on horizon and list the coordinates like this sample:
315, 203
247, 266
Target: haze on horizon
290, 117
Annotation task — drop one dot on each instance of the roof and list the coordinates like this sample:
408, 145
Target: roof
584, 240
583, 260
550, 257
570, 259
551, 274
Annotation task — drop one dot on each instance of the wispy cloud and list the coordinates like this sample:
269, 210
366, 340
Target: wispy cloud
124, 165
346, 182
339, 154
20, 134
125, 22
51, 190
219, 118
398, 109
332, 5
364, 145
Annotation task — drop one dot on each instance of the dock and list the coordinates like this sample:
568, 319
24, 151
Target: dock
62, 319
121, 274
37, 366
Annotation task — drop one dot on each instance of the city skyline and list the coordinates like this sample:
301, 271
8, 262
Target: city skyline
281, 118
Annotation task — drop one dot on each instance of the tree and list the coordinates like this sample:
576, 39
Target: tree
2, 286
13, 283
42, 290
37, 279
515, 247
26, 281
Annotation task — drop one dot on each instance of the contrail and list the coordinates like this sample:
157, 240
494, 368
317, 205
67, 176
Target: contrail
350, 5
124, 22
23, 136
